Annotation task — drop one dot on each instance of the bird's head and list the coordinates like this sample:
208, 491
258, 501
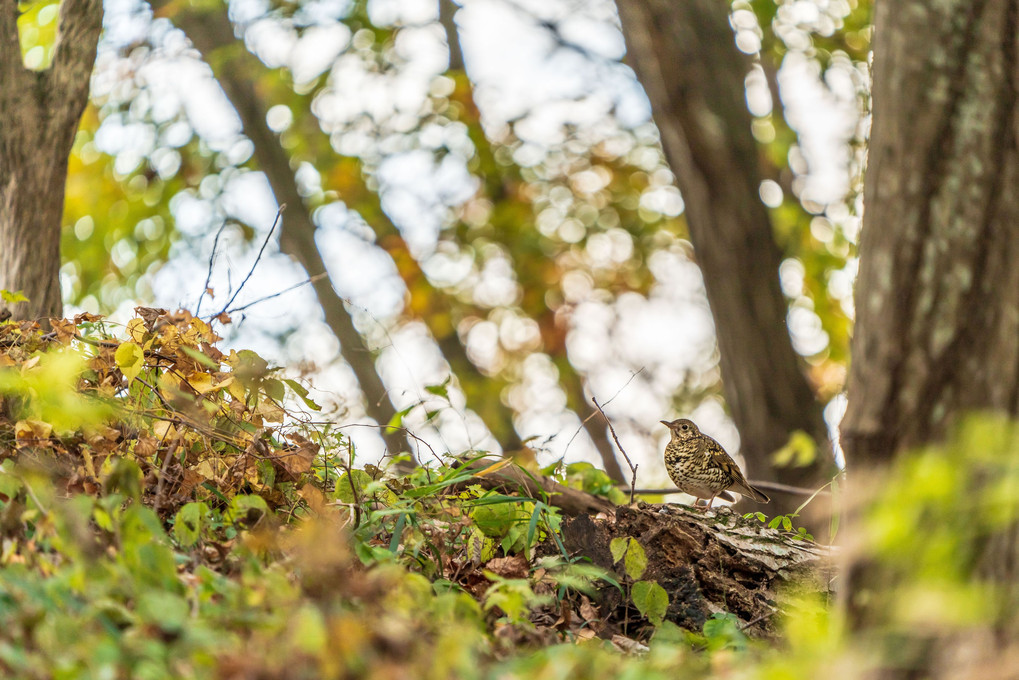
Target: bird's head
681, 427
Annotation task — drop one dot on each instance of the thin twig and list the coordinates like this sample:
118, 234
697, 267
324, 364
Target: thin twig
753, 622
633, 468
310, 279
162, 473
348, 465
35, 499
585, 420
771, 486
254, 265
208, 276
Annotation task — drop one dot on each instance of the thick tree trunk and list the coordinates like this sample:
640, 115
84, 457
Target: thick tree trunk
39, 113
685, 57
937, 298
937, 325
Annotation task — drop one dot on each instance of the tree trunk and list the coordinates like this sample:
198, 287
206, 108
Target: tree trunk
39, 114
685, 57
209, 31
937, 297
937, 325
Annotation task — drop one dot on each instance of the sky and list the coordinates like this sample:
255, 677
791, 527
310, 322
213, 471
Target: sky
635, 350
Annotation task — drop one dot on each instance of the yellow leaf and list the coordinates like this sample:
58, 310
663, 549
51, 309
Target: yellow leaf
130, 359
163, 429
32, 429
202, 383
136, 329
270, 411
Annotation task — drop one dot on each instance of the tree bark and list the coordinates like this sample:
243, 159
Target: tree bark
39, 114
937, 297
937, 326
686, 59
209, 31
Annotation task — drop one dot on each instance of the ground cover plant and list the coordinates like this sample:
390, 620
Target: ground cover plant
171, 510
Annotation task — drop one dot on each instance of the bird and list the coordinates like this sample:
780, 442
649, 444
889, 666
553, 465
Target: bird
699, 466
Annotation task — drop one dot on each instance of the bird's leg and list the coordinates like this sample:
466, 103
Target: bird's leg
711, 501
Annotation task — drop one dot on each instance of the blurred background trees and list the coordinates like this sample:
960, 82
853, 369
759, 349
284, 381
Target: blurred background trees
483, 229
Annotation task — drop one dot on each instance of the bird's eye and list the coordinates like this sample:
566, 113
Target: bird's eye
684, 427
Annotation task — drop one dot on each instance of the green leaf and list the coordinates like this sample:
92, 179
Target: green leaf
350, 487
439, 390
167, 611
722, 631
189, 522
651, 600
495, 520
12, 297
799, 451
636, 560
302, 394
618, 547
274, 389
397, 419
200, 357
130, 359
247, 509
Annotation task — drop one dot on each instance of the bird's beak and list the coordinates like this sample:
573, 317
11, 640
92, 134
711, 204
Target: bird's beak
666, 423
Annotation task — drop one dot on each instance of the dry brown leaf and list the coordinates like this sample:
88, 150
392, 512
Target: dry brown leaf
508, 567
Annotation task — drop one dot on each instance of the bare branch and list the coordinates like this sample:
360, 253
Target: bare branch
258, 257
633, 468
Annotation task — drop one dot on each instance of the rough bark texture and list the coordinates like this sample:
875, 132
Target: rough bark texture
209, 31
937, 298
39, 113
706, 562
684, 55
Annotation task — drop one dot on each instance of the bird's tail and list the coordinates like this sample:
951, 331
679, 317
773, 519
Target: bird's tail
752, 492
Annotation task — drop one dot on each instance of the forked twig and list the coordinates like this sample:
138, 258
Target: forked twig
251, 271
633, 468
212, 260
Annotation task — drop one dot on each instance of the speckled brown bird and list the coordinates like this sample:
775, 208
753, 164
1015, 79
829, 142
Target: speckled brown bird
699, 466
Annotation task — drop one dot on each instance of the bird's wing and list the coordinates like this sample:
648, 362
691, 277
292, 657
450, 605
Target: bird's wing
739, 483
723, 460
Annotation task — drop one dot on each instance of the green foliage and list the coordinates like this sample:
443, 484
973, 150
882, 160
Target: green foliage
113, 567
651, 600
628, 549
648, 597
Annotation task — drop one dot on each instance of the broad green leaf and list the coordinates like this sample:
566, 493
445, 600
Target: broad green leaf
248, 509
167, 611
651, 600
350, 488
397, 419
439, 390
189, 522
618, 547
636, 560
274, 389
